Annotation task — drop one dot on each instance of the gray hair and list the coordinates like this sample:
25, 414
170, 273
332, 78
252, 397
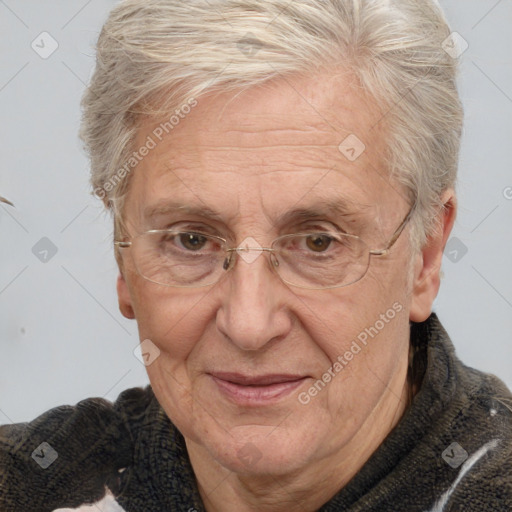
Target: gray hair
156, 57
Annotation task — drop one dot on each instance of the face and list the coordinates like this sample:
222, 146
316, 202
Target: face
260, 376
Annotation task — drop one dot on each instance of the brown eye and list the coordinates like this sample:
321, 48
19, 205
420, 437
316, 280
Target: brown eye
318, 243
192, 241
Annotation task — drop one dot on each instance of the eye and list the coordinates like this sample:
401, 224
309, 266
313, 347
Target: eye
192, 241
318, 243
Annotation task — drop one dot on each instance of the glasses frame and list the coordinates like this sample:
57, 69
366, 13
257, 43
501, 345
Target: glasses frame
230, 261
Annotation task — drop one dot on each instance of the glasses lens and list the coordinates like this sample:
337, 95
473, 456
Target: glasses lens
191, 259
321, 260
182, 259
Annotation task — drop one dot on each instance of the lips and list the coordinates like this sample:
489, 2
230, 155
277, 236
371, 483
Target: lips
260, 380
256, 390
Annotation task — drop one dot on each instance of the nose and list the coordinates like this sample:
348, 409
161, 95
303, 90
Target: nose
253, 312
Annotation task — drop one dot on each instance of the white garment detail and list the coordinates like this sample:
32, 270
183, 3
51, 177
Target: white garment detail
440, 505
107, 504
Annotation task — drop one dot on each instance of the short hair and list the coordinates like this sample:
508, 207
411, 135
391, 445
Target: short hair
154, 57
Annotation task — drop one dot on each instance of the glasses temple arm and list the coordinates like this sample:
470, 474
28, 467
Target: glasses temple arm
397, 233
122, 244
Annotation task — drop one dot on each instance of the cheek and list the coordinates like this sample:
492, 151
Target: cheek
363, 332
175, 323
364, 345
337, 317
174, 320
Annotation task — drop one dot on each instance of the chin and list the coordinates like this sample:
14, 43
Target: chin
263, 450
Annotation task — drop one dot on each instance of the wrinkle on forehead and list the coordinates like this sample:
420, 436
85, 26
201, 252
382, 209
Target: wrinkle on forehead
328, 102
266, 149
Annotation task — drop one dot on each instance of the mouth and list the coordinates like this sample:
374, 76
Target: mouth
256, 390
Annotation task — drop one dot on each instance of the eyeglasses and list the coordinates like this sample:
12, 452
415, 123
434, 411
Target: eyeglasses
316, 260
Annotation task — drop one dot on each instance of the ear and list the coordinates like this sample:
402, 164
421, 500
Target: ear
428, 265
123, 295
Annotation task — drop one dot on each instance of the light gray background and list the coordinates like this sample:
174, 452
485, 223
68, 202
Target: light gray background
62, 338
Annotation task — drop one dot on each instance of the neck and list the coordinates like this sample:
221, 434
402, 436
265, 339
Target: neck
312, 486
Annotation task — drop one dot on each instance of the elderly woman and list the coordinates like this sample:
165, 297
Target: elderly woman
281, 177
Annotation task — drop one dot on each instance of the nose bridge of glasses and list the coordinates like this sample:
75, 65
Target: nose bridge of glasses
244, 249
249, 251
247, 248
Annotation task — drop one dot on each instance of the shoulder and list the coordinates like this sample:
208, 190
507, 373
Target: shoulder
70, 454
480, 432
469, 427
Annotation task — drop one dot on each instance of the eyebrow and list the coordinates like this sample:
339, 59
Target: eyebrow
168, 207
338, 207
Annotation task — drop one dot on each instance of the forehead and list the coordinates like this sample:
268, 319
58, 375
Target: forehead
281, 145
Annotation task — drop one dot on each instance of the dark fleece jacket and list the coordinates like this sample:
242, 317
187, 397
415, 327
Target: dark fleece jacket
451, 452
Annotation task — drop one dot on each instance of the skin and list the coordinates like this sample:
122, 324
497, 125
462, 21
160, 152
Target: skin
252, 157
